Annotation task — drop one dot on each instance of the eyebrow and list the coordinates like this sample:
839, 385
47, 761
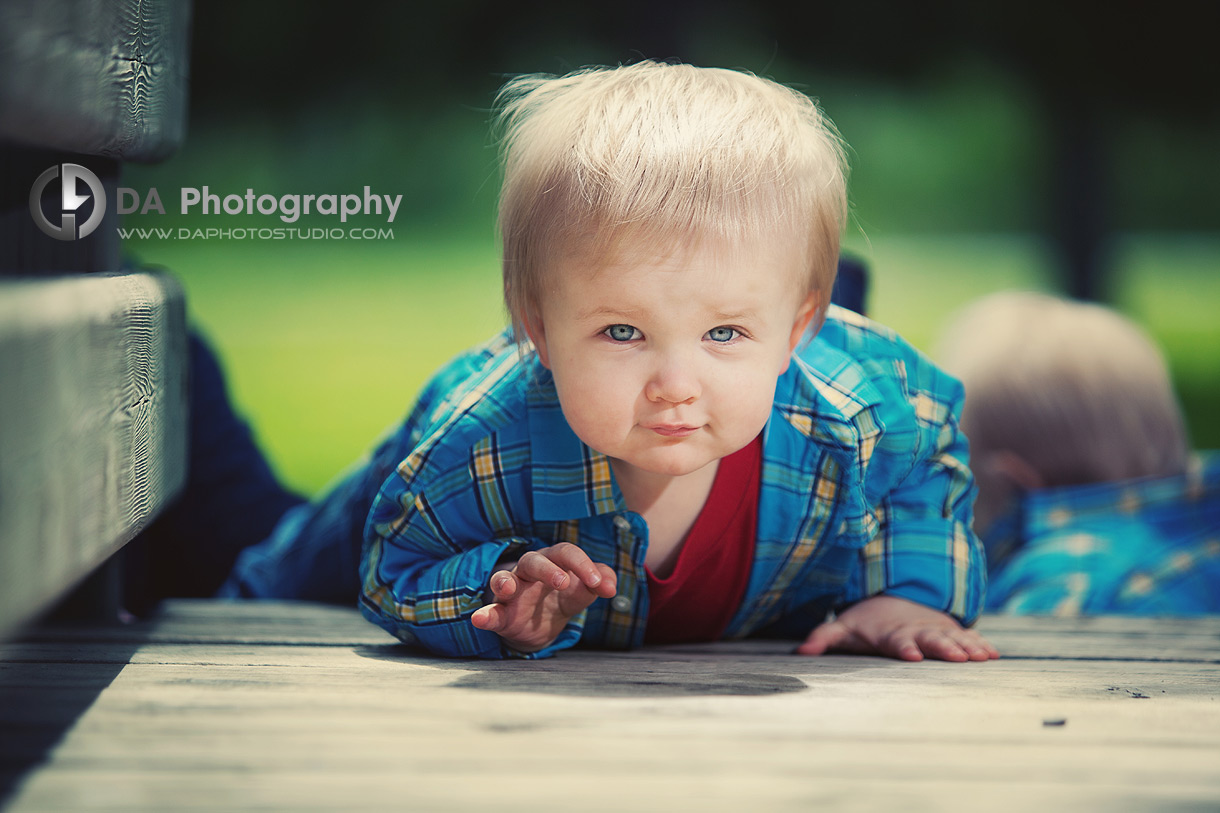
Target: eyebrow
735, 316
604, 310
635, 313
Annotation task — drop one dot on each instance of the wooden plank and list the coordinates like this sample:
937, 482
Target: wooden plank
400, 735
96, 78
1163, 625
92, 425
1125, 638
324, 725
207, 621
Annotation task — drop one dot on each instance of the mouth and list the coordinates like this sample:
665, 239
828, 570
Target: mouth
673, 430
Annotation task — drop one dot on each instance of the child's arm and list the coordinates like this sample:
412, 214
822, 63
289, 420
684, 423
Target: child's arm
535, 597
897, 628
920, 576
923, 556
430, 556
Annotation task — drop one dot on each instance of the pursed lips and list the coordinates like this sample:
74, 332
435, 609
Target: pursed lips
673, 430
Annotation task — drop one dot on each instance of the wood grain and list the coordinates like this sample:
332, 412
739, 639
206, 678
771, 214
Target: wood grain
95, 78
337, 716
92, 425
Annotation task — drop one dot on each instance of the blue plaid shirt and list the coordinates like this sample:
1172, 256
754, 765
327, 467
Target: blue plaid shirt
1138, 547
865, 489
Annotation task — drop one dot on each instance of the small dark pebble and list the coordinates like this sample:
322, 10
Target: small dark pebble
1057, 721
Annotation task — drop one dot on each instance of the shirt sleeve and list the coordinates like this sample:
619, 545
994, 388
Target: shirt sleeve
925, 549
1035, 590
1111, 564
428, 555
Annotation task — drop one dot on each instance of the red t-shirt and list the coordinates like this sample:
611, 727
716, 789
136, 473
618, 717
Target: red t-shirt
698, 599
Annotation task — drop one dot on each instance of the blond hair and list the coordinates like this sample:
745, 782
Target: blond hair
659, 155
1076, 390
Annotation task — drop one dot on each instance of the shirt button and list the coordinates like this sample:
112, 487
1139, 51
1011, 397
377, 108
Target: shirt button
620, 604
622, 523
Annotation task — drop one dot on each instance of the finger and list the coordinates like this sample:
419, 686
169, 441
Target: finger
903, 645
824, 637
609, 581
578, 597
977, 647
941, 646
503, 585
573, 559
490, 617
535, 566
986, 646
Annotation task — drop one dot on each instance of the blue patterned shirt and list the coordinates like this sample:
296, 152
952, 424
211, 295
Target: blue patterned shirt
1137, 547
865, 489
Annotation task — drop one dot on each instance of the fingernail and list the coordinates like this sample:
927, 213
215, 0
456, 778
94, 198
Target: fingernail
594, 580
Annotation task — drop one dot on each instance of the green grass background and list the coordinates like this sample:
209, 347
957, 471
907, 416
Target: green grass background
327, 342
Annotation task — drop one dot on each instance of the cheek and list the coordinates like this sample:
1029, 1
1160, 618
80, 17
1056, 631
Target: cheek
748, 396
598, 402
588, 377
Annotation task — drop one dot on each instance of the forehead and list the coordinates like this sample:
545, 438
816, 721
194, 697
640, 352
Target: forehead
608, 259
750, 285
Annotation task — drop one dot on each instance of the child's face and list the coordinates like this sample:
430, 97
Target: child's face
667, 364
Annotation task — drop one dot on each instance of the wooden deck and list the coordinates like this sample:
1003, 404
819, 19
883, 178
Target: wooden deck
217, 706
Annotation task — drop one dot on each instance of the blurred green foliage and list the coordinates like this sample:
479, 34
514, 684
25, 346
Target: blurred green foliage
327, 342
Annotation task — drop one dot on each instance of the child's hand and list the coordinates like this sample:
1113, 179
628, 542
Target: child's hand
887, 625
537, 597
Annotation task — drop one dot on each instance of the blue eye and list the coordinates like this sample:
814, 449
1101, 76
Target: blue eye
622, 333
722, 334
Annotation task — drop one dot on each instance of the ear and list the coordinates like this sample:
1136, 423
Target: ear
1003, 477
804, 315
537, 333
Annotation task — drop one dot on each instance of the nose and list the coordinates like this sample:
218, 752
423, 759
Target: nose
673, 381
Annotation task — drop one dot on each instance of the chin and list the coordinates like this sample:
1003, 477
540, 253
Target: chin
673, 465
